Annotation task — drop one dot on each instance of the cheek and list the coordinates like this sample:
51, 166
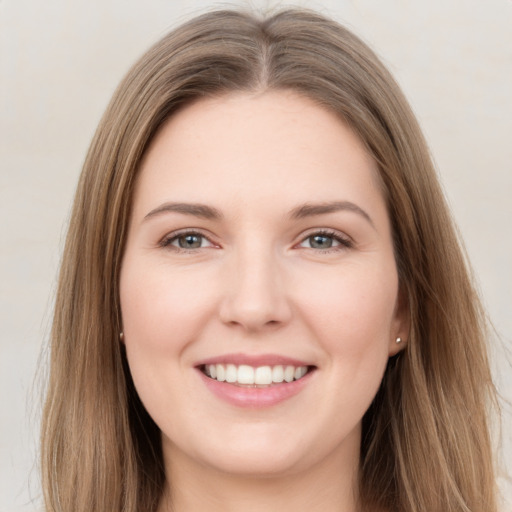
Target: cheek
354, 329
163, 312
355, 303
162, 309
352, 316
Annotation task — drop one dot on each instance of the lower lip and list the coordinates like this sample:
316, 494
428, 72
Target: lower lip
255, 397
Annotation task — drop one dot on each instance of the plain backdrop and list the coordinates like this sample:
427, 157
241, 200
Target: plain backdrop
60, 61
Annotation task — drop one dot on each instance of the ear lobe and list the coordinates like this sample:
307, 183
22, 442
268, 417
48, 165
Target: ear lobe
401, 323
396, 345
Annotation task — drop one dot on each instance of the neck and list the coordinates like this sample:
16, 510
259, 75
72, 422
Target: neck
329, 486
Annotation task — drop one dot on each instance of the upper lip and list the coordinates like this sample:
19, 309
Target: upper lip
254, 360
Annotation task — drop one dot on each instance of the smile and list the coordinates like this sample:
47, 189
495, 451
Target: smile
260, 376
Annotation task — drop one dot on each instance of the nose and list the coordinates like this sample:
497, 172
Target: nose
255, 294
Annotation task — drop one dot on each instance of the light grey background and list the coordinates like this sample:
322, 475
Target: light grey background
59, 63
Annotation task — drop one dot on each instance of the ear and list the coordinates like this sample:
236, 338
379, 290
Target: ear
400, 326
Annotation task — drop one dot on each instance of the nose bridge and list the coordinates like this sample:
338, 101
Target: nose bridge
255, 295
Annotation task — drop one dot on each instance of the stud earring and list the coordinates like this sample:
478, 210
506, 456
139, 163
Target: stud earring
121, 336
399, 340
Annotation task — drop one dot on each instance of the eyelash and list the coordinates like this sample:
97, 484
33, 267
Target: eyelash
344, 242
167, 241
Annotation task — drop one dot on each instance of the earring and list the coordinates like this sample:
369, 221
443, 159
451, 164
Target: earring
121, 336
399, 340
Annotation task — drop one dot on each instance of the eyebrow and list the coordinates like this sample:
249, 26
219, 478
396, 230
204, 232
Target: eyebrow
195, 209
300, 212
312, 209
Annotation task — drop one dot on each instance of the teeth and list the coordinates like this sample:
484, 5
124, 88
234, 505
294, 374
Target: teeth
263, 375
259, 376
245, 374
221, 373
300, 372
231, 373
277, 374
289, 373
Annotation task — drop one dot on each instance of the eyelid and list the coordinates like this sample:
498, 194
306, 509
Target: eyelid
166, 241
345, 241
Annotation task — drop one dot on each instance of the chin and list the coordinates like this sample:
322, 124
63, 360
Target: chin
259, 452
257, 463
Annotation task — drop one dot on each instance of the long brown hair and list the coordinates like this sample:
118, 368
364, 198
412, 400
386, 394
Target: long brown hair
426, 443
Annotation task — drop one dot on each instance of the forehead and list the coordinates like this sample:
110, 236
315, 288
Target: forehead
251, 146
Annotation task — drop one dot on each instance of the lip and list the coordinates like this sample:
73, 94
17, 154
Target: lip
255, 397
254, 360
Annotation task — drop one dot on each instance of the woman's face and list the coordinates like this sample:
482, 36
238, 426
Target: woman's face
259, 249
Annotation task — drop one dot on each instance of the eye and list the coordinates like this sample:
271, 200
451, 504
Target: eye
187, 241
324, 240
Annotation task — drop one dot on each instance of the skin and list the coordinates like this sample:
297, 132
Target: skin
259, 285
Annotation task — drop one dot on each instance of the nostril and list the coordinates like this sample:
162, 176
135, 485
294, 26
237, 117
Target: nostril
254, 302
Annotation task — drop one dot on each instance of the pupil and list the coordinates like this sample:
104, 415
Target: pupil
321, 242
189, 241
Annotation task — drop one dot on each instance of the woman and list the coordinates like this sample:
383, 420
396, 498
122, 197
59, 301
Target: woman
262, 302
